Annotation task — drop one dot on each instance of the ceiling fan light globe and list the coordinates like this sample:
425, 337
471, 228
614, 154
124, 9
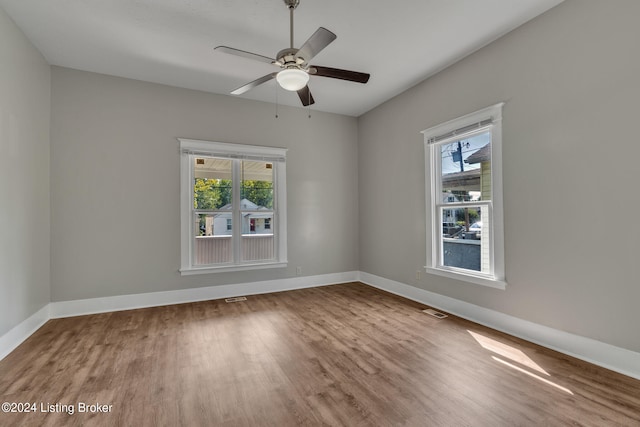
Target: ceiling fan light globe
292, 79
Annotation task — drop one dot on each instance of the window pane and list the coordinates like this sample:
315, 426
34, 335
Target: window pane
213, 239
466, 238
258, 243
257, 185
466, 169
212, 183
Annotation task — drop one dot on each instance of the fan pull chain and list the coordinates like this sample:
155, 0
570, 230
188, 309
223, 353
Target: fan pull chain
309, 101
276, 100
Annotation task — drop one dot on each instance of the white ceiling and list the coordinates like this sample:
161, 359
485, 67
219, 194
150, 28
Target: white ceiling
400, 43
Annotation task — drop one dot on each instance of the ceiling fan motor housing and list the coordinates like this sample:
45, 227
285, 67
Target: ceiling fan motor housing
288, 58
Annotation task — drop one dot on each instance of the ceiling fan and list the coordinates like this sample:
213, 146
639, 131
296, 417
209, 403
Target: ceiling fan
294, 63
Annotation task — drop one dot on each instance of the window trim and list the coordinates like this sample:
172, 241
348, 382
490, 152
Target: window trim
469, 124
193, 147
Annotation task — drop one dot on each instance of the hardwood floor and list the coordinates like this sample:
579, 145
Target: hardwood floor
337, 355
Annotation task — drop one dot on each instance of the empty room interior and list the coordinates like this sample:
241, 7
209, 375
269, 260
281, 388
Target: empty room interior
305, 212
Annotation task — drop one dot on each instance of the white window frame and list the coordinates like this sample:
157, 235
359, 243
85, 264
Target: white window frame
433, 180
189, 150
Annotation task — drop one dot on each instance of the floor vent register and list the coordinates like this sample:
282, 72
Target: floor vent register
434, 313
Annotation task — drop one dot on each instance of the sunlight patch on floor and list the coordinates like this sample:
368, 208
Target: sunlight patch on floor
517, 356
532, 375
507, 351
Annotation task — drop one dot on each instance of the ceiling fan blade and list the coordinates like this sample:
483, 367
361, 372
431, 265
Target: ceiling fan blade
306, 97
244, 54
336, 73
318, 41
258, 82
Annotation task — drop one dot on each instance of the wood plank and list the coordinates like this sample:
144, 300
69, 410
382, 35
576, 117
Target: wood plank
337, 355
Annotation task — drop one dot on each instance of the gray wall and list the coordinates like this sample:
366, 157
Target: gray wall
115, 221
570, 79
24, 177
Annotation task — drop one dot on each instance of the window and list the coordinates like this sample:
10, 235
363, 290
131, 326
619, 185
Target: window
464, 198
233, 207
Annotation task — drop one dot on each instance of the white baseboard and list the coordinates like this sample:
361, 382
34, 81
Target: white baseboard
22, 331
154, 299
54, 310
617, 359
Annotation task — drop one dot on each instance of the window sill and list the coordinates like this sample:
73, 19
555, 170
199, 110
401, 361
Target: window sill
230, 268
478, 280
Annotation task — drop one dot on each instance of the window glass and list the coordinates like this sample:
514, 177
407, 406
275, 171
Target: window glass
257, 185
211, 247
465, 242
212, 187
462, 163
465, 176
